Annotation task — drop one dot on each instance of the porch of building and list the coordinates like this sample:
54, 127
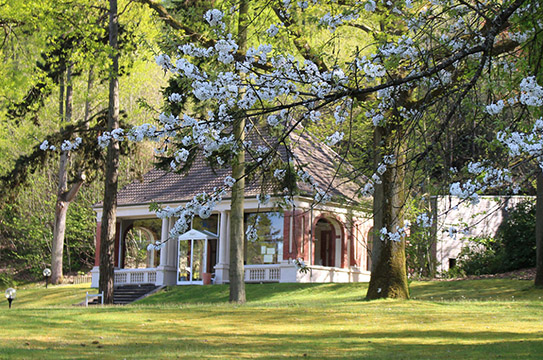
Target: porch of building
333, 247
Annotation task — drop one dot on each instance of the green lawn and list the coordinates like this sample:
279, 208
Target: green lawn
475, 319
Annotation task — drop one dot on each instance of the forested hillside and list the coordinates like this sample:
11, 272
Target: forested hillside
54, 88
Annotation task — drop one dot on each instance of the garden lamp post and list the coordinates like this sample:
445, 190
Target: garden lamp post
46, 275
10, 295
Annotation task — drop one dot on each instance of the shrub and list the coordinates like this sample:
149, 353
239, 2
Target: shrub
517, 238
513, 247
481, 256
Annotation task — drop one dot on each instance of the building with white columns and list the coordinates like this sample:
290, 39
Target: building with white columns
332, 239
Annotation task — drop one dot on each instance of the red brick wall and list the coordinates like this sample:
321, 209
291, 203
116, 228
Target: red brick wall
298, 234
98, 239
352, 235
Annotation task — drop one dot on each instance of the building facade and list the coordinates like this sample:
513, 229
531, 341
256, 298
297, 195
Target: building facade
332, 238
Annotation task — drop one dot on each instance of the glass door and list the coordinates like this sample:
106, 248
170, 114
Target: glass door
183, 270
197, 260
191, 261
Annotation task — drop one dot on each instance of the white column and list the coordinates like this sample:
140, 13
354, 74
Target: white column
167, 271
164, 237
222, 237
172, 247
290, 234
227, 250
221, 269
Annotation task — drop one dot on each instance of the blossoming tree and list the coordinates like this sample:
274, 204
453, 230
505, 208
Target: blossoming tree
411, 69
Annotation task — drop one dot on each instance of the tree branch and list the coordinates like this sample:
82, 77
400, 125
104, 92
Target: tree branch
300, 42
190, 33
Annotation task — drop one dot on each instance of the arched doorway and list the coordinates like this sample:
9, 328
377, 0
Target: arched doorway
325, 243
135, 252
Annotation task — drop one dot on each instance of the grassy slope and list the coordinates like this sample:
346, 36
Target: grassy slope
475, 319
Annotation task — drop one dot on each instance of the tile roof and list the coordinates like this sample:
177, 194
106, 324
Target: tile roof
319, 160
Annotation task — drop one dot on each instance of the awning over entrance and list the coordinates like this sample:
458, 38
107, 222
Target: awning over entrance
198, 235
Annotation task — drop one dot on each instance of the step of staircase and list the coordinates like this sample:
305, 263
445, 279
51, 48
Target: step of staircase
126, 294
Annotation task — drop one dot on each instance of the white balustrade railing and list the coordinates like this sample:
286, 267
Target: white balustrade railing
135, 276
262, 273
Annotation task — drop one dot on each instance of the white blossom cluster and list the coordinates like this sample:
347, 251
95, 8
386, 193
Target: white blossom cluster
467, 190
66, 145
454, 230
214, 17
395, 236
157, 245
251, 234
404, 48
115, 134
322, 196
334, 138
531, 93
520, 37
333, 21
300, 265
424, 220
369, 187
368, 190
201, 205
519, 143
441, 78
495, 109
487, 177
273, 30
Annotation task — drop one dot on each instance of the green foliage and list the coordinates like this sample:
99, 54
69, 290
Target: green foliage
419, 244
6, 280
517, 236
481, 256
27, 228
453, 273
512, 249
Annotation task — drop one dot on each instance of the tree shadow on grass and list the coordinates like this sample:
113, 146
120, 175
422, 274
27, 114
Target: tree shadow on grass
270, 292
189, 343
485, 289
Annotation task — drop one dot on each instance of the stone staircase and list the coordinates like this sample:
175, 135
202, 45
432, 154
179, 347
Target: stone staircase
127, 293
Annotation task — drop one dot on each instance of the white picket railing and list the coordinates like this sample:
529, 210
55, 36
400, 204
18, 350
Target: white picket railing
135, 276
262, 273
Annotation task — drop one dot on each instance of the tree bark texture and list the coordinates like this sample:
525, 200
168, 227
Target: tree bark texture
61, 206
389, 277
237, 228
378, 200
237, 233
109, 215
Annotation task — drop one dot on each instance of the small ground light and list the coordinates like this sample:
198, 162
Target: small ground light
10, 295
46, 275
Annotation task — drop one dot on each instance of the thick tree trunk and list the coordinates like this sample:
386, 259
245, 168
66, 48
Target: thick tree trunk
539, 230
389, 275
109, 215
378, 201
237, 229
237, 233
